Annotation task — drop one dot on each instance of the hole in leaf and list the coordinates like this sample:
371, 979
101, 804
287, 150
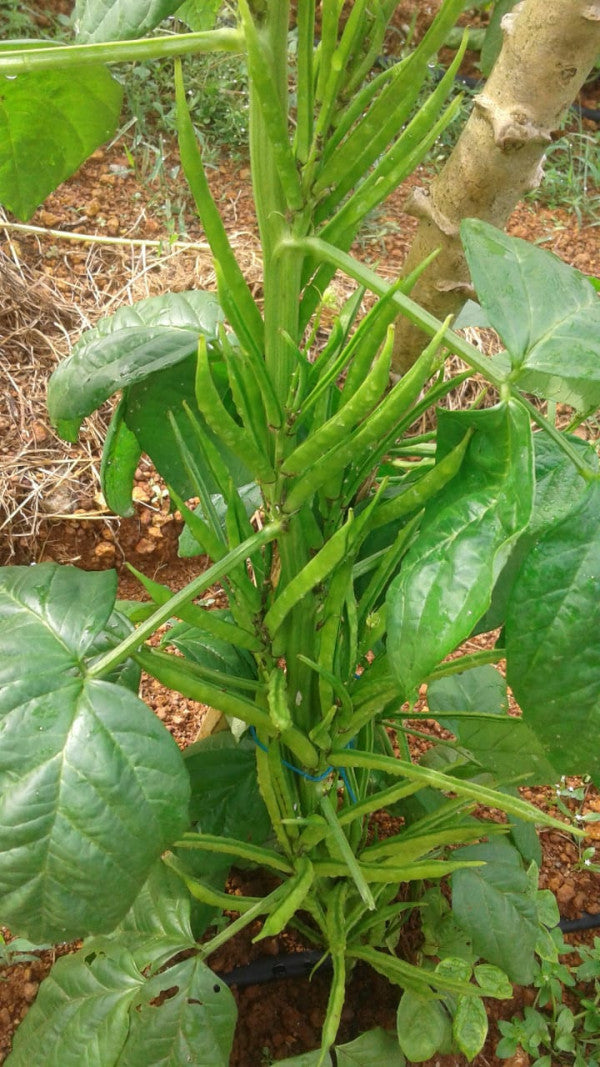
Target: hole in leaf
165, 994
216, 989
192, 1000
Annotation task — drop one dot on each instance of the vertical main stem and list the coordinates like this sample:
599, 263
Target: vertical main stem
282, 286
281, 274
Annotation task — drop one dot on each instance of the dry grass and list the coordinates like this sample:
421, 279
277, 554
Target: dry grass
52, 288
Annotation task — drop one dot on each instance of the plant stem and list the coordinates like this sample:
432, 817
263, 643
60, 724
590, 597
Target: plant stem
18, 61
166, 611
325, 252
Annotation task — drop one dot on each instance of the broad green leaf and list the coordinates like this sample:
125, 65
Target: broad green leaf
481, 689
558, 486
423, 1027
493, 904
558, 483
127, 347
82, 1010
157, 926
547, 314
251, 498
553, 657
209, 651
374, 1046
225, 796
150, 407
547, 908
508, 749
523, 835
97, 1004
199, 15
91, 782
470, 1026
492, 981
50, 122
447, 577
185, 1015
120, 457
442, 934
119, 20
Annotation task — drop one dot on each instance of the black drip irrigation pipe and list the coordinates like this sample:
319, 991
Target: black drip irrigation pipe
585, 922
265, 969
300, 964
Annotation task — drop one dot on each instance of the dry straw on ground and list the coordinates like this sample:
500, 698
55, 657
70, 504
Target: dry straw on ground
54, 286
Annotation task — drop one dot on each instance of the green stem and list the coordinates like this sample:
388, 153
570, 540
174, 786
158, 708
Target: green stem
17, 61
327, 253
465, 663
446, 783
263, 906
281, 278
559, 439
350, 861
189, 592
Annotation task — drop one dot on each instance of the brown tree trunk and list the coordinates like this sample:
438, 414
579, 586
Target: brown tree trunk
549, 48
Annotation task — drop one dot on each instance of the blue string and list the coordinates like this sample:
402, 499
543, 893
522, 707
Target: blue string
304, 774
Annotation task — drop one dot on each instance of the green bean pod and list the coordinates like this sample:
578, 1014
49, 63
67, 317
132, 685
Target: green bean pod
398, 162
336, 938
236, 437
313, 833
202, 618
447, 783
278, 700
416, 496
386, 115
329, 34
229, 846
305, 80
263, 82
296, 889
338, 427
209, 454
234, 287
357, 107
379, 423
381, 16
410, 976
270, 774
340, 57
254, 365
190, 680
246, 393
387, 566
349, 864
207, 894
120, 457
315, 572
330, 647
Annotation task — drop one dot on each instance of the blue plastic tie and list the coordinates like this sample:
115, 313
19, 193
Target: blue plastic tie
304, 774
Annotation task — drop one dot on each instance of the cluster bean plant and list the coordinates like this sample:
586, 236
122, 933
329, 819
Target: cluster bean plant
378, 551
